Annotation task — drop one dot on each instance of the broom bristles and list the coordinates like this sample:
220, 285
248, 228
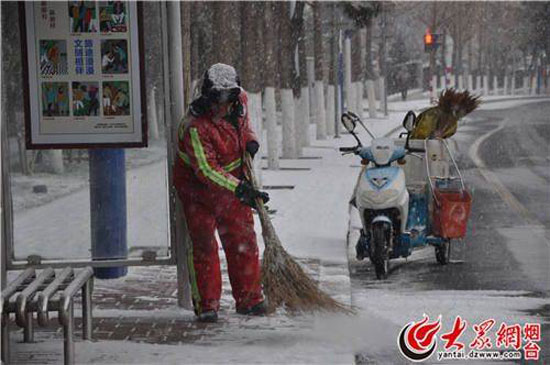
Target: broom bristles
285, 283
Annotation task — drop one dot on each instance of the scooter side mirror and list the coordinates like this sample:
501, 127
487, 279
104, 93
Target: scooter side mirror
348, 122
409, 121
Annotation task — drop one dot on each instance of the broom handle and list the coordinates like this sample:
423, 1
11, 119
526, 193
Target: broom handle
262, 212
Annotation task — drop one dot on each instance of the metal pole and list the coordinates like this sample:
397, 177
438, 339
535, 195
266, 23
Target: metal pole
337, 97
172, 15
87, 310
68, 340
108, 209
340, 83
433, 50
6, 213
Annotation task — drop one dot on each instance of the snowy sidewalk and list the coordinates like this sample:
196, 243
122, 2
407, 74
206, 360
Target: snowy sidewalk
136, 318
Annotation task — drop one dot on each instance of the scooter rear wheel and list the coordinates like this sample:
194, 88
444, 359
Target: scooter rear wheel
443, 252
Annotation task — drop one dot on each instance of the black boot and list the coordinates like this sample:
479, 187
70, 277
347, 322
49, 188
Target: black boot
259, 309
208, 316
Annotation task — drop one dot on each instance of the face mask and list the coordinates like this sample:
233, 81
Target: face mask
225, 95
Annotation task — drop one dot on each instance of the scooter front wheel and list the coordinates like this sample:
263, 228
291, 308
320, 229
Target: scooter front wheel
381, 234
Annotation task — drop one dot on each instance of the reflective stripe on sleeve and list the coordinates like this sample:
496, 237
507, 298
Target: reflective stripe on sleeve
205, 168
184, 157
227, 168
233, 165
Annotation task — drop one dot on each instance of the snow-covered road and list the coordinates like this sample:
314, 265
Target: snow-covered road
506, 273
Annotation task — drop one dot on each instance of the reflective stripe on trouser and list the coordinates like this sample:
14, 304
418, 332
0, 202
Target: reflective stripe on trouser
235, 227
195, 293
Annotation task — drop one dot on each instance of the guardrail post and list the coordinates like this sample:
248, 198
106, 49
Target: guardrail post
28, 331
68, 340
87, 310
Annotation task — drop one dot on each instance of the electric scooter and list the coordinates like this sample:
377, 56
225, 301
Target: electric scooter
397, 218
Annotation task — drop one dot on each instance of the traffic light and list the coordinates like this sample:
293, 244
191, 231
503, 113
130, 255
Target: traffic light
429, 43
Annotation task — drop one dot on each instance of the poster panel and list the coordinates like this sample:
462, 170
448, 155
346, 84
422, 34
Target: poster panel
84, 78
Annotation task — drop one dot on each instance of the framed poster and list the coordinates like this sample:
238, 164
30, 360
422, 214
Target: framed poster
83, 74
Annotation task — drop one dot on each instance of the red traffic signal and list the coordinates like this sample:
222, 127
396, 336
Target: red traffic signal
430, 41
428, 38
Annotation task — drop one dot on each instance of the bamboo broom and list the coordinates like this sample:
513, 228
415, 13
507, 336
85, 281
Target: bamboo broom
284, 281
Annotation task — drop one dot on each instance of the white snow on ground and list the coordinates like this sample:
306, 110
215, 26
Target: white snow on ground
38, 230
271, 347
393, 309
311, 221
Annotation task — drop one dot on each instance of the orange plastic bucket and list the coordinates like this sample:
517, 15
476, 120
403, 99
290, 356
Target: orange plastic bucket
451, 212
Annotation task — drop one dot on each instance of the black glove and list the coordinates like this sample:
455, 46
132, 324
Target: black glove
247, 194
252, 148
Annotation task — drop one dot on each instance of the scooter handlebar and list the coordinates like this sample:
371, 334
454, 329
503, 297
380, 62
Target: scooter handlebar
348, 149
412, 150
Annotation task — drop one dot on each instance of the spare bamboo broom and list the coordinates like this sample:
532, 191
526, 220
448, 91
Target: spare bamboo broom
285, 282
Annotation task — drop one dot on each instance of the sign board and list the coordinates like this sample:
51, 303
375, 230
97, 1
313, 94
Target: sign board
84, 79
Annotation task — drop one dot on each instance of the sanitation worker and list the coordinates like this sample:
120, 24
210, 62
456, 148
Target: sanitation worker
210, 181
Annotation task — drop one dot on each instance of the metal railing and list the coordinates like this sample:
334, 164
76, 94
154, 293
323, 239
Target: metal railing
35, 295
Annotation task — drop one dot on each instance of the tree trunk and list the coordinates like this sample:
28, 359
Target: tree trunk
186, 44
205, 28
369, 70
225, 33
54, 161
287, 64
303, 120
269, 97
248, 16
319, 64
249, 75
347, 74
195, 39
332, 75
356, 71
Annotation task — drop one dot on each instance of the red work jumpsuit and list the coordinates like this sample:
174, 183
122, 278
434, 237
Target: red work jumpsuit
206, 175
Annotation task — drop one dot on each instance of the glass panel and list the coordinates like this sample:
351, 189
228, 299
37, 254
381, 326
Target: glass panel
51, 188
